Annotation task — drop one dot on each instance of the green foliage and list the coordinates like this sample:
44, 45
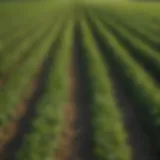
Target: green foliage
138, 84
109, 140
41, 142
19, 81
29, 36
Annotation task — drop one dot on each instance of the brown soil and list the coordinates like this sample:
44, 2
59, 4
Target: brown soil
76, 139
1, 83
83, 143
68, 133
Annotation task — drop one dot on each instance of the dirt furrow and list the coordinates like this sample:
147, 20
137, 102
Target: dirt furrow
83, 141
68, 134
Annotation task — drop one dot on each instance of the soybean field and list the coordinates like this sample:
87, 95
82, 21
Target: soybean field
79, 80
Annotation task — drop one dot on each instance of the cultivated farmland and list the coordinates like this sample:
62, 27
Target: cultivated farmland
79, 81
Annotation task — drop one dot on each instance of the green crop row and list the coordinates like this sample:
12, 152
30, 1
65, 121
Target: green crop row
16, 16
136, 25
42, 142
145, 35
138, 84
136, 18
138, 49
11, 40
9, 58
12, 92
109, 136
137, 28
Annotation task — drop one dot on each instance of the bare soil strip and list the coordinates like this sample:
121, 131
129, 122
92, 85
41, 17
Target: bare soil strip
22, 58
75, 141
68, 134
142, 148
83, 141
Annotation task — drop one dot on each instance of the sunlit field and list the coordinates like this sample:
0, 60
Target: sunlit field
79, 80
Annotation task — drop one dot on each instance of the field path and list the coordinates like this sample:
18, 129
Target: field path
83, 142
69, 111
75, 140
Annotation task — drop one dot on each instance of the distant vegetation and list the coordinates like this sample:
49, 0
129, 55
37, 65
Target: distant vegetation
79, 80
